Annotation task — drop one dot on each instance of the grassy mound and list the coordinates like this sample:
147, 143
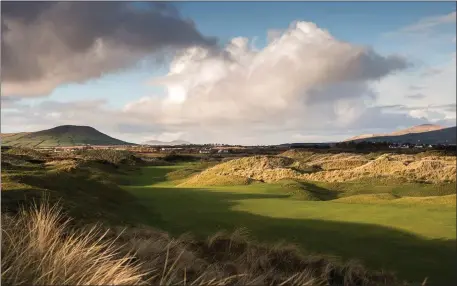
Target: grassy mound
326, 167
448, 200
298, 190
189, 171
205, 180
111, 156
407, 167
244, 170
367, 198
87, 188
327, 161
26, 152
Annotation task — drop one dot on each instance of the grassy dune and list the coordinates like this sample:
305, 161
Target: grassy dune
330, 168
415, 240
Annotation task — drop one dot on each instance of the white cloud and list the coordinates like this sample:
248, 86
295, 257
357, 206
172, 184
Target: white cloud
303, 75
428, 23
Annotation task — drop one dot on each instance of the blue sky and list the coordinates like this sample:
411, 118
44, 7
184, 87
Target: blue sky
382, 26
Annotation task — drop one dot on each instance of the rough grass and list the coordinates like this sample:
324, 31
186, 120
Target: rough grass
189, 171
37, 250
111, 156
260, 168
235, 259
27, 152
326, 167
88, 189
216, 180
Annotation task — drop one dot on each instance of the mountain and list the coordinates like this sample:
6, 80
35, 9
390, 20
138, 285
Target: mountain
65, 135
440, 136
415, 129
163, 143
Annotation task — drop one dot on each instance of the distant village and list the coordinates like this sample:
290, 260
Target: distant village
180, 149
223, 149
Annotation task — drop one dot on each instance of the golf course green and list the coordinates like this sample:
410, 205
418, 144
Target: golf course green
414, 241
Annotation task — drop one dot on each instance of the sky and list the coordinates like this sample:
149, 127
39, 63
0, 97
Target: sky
228, 72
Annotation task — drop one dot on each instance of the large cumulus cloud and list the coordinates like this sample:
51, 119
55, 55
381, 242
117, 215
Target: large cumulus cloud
46, 44
303, 77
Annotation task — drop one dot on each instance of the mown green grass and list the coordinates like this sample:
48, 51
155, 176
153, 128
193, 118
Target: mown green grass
416, 241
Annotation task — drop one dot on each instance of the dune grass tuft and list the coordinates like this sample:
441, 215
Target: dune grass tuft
38, 250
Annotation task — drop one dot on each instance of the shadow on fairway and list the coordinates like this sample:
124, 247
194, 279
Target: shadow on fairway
204, 212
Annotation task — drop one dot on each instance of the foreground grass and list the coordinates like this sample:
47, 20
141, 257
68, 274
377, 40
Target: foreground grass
39, 247
414, 241
38, 250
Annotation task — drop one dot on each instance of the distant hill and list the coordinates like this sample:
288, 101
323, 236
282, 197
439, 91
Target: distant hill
65, 135
415, 129
440, 136
163, 143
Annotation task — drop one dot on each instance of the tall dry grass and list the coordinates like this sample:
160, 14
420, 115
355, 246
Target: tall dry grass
38, 250
235, 259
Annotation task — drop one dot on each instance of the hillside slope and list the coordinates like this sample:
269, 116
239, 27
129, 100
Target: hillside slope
415, 129
65, 135
441, 136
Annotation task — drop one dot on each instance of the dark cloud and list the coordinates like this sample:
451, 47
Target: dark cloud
372, 66
24, 11
329, 92
50, 43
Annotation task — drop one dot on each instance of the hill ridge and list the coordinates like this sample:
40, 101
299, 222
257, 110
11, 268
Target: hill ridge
440, 136
414, 129
60, 136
